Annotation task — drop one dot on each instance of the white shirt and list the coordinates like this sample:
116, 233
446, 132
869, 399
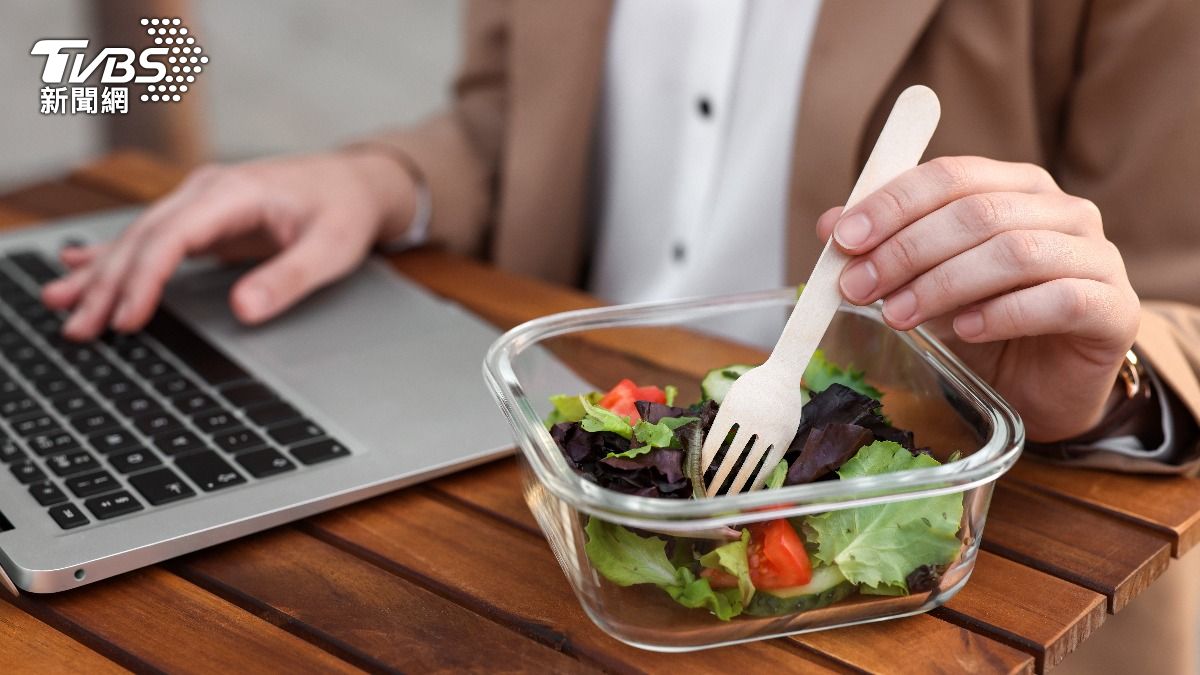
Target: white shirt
698, 109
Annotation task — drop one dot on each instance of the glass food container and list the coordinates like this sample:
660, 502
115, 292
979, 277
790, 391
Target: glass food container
967, 426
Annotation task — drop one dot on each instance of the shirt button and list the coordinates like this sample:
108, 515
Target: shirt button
704, 107
678, 252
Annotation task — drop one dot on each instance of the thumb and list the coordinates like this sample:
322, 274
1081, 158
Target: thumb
311, 262
826, 222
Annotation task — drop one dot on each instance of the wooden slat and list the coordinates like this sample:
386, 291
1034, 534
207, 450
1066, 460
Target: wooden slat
57, 199
1036, 612
171, 625
27, 645
1108, 555
1167, 504
360, 611
918, 645
510, 576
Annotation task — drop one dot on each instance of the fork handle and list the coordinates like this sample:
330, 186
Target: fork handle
901, 143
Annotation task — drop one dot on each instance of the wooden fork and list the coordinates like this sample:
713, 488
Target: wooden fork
765, 403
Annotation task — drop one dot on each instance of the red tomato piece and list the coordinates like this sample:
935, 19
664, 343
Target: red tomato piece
777, 556
622, 397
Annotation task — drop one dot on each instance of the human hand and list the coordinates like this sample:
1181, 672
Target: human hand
315, 216
1011, 272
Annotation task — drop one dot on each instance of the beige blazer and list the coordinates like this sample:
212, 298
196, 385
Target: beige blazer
1105, 95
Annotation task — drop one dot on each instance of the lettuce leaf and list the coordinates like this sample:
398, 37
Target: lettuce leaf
879, 546
734, 559
600, 419
821, 373
778, 475
627, 559
567, 408
658, 435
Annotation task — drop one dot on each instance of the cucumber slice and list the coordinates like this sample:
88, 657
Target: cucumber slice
716, 383
826, 587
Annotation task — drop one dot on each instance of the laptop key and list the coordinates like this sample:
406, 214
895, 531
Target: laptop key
195, 402
137, 405
133, 350
68, 516
161, 486
10, 451
92, 484
98, 369
93, 421
248, 394
238, 440
157, 423
77, 354
47, 494
33, 264
206, 360
117, 386
264, 462
173, 385
153, 368
269, 414
20, 406
36, 424
212, 422
296, 432
115, 440
52, 442
71, 463
320, 451
27, 472
209, 471
54, 386
74, 404
9, 386
133, 460
178, 442
113, 505
40, 369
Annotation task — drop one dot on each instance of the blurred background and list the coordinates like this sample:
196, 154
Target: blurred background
284, 76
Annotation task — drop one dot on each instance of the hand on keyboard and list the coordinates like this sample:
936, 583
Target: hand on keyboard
316, 217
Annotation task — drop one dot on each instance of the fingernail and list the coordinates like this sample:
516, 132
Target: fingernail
859, 282
119, 317
255, 301
852, 232
969, 324
900, 307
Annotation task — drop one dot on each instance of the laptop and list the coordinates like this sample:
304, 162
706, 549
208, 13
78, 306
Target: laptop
133, 449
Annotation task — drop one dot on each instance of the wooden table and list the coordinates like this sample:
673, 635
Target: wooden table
454, 574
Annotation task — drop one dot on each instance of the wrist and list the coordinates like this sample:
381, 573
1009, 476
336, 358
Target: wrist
392, 186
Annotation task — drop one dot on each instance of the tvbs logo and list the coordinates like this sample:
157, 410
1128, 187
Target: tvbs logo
167, 69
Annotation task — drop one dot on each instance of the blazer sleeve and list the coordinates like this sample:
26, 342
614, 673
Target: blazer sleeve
455, 154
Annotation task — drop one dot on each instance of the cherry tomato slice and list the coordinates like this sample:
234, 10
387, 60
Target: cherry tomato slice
777, 556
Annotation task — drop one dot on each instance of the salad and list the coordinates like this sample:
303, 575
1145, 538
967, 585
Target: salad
639, 440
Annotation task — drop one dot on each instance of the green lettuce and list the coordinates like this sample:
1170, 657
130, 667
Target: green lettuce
778, 475
821, 373
568, 408
659, 435
734, 559
627, 559
601, 419
878, 546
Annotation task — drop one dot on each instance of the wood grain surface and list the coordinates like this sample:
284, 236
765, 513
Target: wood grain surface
454, 575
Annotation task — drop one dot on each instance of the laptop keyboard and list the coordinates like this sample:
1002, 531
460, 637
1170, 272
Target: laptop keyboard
130, 422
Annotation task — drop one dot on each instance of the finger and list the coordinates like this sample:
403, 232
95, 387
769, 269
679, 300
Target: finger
193, 228
313, 261
928, 187
958, 227
64, 292
1010, 260
77, 256
826, 222
1084, 307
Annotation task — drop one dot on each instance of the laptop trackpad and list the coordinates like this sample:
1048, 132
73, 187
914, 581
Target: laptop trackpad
375, 352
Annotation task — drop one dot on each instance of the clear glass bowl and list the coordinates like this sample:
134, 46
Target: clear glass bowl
926, 390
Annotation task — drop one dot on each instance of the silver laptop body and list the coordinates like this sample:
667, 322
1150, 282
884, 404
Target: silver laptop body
388, 370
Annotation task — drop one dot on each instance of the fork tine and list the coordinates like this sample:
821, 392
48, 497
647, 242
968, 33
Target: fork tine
777, 452
749, 464
713, 440
736, 449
